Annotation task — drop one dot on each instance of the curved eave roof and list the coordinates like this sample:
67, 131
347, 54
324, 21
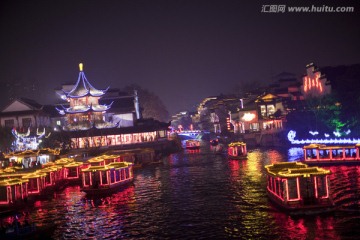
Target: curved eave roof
83, 88
94, 108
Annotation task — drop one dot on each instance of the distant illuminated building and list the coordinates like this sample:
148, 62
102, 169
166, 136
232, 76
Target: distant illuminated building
315, 84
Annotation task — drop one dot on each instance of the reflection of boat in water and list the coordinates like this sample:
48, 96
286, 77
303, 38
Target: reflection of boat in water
103, 179
299, 189
192, 144
322, 154
237, 150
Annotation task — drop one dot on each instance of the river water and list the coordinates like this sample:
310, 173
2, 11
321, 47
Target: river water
202, 195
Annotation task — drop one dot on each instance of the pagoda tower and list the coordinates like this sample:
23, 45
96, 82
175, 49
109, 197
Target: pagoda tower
84, 111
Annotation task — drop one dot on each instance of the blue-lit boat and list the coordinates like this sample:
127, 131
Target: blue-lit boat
332, 154
298, 188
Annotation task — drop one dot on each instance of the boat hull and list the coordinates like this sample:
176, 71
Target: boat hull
107, 189
242, 157
332, 162
300, 209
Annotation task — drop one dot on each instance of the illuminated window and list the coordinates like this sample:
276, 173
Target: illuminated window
263, 110
254, 127
270, 109
58, 122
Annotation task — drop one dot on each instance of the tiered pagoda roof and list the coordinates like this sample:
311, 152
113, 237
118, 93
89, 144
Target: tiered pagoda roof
83, 87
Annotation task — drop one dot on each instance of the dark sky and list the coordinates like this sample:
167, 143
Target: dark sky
183, 51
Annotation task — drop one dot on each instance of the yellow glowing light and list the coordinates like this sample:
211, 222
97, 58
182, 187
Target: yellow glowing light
81, 67
248, 117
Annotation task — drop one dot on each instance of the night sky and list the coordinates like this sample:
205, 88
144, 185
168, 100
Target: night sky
183, 51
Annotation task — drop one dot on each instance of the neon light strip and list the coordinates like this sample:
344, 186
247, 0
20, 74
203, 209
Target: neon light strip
316, 188
327, 187
326, 141
274, 192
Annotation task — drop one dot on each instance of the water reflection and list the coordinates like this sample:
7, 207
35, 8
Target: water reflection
201, 195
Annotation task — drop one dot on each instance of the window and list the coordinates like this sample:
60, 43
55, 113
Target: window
26, 122
270, 110
9, 123
292, 188
263, 110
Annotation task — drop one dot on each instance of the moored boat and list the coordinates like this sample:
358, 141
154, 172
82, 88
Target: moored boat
332, 154
298, 188
13, 192
192, 144
237, 150
103, 179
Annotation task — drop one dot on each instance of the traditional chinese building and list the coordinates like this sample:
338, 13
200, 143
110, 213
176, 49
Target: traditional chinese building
28, 121
90, 121
84, 110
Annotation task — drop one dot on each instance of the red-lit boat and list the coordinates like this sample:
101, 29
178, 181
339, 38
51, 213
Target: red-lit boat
103, 179
298, 188
237, 150
192, 144
323, 154
13, 192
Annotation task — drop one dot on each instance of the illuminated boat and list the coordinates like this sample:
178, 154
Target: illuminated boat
322, 154
298, 188
72, 172
237, 150
13, 192
37, 184
103, 179
192, 144
49, 182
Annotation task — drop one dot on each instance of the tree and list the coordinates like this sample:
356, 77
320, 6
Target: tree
151, 104
329, 113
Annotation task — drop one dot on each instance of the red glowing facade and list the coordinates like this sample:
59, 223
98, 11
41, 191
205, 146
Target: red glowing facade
314, 83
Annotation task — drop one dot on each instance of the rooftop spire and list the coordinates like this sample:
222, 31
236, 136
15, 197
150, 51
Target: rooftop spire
81, 67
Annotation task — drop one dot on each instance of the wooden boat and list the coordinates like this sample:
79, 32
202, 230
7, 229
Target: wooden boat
103, 179
323, 154
298, 188
72, 172
192, 144
36, 184
13, 192
237, 150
